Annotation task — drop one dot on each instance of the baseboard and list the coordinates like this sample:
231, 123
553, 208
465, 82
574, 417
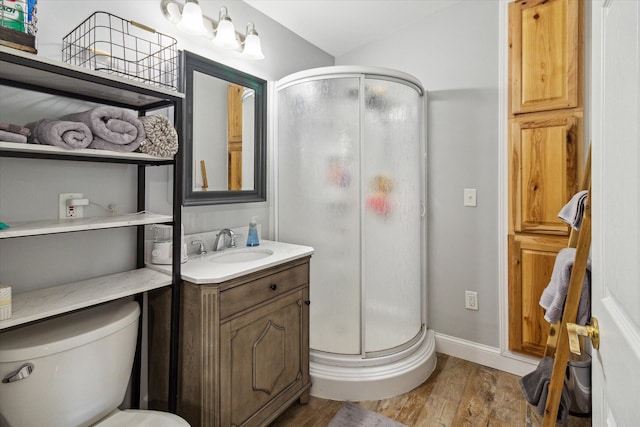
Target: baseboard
484, 355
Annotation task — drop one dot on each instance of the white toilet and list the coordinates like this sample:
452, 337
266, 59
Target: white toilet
74, 371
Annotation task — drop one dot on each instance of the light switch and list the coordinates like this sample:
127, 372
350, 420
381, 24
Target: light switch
470, 197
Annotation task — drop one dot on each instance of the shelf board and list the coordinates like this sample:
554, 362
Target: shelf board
36, 305
36, 71
38, 228
50, 150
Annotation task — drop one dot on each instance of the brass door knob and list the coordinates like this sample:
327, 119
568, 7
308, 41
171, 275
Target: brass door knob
591, 331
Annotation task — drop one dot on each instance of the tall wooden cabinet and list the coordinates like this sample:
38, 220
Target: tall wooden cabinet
545, 152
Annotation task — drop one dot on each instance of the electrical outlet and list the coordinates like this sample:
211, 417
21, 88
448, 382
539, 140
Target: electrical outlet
65, 211
470, 300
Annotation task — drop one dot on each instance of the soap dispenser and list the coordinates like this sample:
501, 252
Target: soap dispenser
252, 239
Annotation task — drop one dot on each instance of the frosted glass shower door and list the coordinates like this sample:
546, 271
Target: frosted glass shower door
319, 201
392, 236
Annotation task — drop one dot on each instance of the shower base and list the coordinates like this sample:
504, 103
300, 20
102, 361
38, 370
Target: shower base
347, 377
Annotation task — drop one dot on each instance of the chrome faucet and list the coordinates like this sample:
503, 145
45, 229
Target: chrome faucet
222, 242
201, 249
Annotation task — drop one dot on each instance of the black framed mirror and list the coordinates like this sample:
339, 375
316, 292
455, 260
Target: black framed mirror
225, 144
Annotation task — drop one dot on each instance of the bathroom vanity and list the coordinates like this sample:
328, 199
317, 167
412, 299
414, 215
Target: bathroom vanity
244, 351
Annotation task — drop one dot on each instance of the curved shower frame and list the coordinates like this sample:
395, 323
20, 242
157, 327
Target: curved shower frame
389, 372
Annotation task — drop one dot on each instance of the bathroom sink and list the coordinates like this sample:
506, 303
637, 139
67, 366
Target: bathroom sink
241, 255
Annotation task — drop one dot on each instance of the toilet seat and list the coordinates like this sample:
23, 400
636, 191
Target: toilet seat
142, 418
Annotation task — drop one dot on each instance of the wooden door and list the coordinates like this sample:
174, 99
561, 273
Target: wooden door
530, 266
543, 171
545, 55
264, 358
616, 212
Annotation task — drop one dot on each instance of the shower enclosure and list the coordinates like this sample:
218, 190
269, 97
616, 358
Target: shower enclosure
350, 182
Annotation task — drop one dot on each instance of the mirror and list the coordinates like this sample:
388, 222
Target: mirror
224, 158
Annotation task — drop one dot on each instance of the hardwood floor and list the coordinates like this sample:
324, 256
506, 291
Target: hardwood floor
458, 393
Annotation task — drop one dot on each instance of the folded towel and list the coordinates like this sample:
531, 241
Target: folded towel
113, 128
535, 387
572, 212
63, 134
554, 295
15, 129
12, 137
162, 138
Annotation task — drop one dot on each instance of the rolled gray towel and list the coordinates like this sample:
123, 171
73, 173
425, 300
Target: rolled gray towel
12, 137
162, 138
113, 128
60, 133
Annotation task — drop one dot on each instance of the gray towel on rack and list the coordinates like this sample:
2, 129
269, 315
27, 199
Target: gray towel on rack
535, 387
563, 408
554, 295
12, 137
573, 211
161, 137
113, 128
60, 133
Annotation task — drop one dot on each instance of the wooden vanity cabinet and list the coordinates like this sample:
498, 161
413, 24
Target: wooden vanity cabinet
244, 354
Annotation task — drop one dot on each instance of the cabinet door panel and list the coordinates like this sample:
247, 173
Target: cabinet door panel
543, 172
531, 263
264, 350
545, 55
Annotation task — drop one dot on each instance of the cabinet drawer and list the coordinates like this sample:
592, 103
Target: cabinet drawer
241, 297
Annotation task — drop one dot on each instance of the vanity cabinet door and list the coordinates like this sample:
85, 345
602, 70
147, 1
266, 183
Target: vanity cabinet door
264, 353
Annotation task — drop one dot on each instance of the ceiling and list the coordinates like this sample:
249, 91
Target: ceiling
339, 26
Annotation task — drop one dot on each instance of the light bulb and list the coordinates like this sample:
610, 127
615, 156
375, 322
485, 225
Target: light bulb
191, 21
226, 35
252, 47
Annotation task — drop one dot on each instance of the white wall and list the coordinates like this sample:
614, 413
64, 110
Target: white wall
455, 54
29, 188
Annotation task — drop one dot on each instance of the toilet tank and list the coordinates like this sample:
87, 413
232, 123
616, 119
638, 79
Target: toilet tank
82, 364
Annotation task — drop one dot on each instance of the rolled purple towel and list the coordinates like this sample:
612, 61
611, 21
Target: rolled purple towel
60, 133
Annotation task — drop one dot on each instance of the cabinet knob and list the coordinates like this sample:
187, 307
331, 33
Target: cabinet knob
308, 302
273, 286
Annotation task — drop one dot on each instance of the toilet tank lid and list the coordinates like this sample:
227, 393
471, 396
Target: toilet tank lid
66, 332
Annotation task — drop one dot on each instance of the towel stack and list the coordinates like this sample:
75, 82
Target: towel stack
107, 128
13, 133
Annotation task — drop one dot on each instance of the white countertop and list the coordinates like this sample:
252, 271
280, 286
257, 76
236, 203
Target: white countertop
200, 269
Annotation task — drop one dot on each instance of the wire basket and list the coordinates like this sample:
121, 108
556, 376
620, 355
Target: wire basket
105, 42
18, 24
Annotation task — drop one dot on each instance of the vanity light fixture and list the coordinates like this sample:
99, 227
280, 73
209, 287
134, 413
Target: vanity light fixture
189, 18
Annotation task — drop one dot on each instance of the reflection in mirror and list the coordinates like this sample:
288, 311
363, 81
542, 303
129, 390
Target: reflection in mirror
225, 146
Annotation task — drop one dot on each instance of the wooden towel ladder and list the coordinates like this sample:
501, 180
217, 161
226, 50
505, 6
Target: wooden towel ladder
558, 338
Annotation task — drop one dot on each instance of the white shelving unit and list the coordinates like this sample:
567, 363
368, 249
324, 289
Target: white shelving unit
39, 228
24, 70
